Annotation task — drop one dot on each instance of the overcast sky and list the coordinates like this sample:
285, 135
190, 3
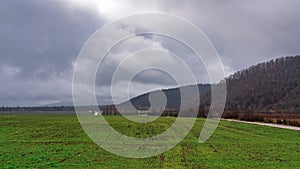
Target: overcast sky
40, 41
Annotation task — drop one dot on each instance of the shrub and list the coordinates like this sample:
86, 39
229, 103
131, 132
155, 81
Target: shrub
251, 117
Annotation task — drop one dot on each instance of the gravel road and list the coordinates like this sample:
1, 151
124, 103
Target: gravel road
265, 124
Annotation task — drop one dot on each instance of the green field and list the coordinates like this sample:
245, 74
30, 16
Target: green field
58, 141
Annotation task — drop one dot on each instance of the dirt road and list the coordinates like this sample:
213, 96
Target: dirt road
265, 124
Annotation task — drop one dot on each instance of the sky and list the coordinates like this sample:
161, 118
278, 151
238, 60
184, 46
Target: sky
41, 40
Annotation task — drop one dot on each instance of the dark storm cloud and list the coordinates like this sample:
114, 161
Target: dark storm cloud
42, 37
39, 41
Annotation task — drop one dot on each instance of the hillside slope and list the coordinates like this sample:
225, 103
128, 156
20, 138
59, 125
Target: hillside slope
267, 87
272, 86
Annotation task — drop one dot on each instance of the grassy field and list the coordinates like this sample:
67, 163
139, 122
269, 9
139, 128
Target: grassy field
58, 141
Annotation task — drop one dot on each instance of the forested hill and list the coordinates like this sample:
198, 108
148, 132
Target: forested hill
273, 86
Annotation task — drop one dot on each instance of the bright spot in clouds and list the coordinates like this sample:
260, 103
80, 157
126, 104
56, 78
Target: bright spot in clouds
115, 9
109, 8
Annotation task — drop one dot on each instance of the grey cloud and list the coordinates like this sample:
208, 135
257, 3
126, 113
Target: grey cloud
248, 32
43, 37
40, 40
245, 32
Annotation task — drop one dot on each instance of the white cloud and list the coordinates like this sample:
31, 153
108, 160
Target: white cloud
9, 70
114, 9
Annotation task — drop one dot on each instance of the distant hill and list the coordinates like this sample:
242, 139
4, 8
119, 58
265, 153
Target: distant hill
173, 97
272, 86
